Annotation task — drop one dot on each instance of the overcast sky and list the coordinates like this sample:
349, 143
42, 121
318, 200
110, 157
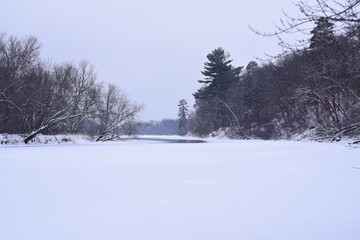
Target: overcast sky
154, 50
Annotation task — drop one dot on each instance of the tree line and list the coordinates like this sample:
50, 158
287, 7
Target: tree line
161, 127
311, 88
37, 96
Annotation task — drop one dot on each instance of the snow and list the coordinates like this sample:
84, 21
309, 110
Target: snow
10, 139
222, 189
13, 139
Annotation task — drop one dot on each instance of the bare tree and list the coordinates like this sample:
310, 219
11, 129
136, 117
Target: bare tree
85, 95
56, 105
65, 97
16, 57
39, 97
115, 114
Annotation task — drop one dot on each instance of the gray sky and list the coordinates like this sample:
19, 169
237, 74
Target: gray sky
155, 49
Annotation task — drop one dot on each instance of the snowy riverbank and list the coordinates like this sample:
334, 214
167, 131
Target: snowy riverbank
14, 139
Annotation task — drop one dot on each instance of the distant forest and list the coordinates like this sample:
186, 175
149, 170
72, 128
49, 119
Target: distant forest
312, 88
162, 127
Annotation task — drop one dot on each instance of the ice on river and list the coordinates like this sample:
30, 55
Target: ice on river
219, 190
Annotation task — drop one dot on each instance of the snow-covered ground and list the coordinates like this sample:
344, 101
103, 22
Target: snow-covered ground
220, 190
13, 139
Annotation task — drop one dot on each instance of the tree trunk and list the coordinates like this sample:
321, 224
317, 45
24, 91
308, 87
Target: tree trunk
34, 134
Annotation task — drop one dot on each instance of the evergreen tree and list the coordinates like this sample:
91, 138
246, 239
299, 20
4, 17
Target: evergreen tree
211, 99
183, 116
219, 75
251, 66
323, 34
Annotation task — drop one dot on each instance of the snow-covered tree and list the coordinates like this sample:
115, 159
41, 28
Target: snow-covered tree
115, 114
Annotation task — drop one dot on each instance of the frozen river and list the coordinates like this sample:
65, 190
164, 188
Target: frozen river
146, 189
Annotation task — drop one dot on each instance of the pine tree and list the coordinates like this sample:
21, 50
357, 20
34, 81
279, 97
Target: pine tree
183, 116
211, 99
323, 34
219, 75
251, 66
